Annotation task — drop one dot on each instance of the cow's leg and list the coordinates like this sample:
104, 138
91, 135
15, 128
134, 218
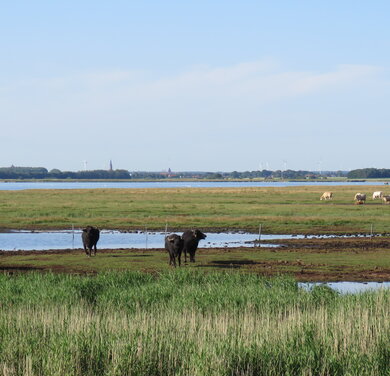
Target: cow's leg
185, 255
87, 251
192, 256
178, 258
94, 248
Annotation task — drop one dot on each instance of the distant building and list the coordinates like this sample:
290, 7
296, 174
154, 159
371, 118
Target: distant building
169, 174
110, 165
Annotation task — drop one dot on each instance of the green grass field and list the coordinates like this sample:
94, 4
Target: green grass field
279, 210
188, 323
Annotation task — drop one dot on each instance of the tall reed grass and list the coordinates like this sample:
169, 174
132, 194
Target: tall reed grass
188, 323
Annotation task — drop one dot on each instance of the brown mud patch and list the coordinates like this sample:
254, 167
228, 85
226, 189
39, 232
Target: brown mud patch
335, 244
359, 259
304, 272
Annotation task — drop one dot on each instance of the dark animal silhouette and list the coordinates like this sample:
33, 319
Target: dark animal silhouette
174, 245
191, 240
90, 236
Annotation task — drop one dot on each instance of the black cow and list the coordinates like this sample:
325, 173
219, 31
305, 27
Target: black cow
174, 245
90, 236
191, 240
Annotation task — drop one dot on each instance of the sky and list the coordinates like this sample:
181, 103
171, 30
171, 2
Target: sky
195, 85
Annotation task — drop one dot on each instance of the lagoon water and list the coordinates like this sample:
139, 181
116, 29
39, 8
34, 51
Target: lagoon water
45, 240
15, 186
111, 239
349, 287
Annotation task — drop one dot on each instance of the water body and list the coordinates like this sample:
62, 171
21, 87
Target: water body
349, 287
15, 186
45, 240
26, 240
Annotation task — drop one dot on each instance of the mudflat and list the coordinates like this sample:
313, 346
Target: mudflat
311, 259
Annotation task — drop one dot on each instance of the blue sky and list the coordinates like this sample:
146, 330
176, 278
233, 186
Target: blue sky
205, 85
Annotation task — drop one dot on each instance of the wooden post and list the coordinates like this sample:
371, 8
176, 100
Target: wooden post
259, 234
72, 236
146, 237
371, 232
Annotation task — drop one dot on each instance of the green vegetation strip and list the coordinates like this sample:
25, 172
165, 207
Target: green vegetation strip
188, 323
363, 260
279, 210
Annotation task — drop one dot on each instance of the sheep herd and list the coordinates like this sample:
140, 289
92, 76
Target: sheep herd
360, 198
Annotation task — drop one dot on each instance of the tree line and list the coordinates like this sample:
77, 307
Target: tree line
369, 173
42, 173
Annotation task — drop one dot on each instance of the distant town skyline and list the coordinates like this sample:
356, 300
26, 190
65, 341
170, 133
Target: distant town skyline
167, 171
23, 173
195, 86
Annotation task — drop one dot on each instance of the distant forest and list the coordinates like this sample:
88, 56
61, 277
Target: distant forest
369, 173
42, 173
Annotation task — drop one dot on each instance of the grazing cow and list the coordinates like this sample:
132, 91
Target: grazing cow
386, 199
191, 240
377, 194
327, 196
90, 237
360, 198
174, 245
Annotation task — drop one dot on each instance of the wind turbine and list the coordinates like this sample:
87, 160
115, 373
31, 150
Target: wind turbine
285, 168
319, 167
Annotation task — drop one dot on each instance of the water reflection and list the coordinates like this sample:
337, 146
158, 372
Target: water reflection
68, 239
169, 184
45, 240
349, 287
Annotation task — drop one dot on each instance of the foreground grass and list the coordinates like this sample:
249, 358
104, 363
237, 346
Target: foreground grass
279, 210
188, 323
